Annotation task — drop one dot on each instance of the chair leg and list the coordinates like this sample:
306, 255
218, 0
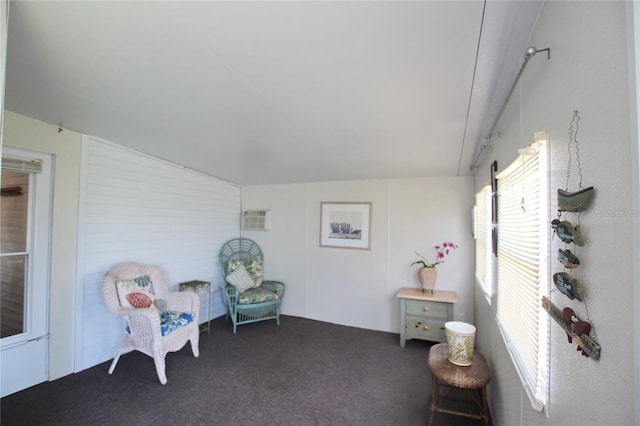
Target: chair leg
194, 345
486, 413
433, 401
114, 362
160, 368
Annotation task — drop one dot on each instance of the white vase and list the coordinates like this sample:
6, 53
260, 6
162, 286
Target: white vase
427, 278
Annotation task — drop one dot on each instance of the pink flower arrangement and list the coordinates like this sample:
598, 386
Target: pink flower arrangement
442, 250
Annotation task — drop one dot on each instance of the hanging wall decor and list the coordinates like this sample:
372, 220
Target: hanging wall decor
567, 226
567, 232
582, 334
568, 285
574, 201
580, 199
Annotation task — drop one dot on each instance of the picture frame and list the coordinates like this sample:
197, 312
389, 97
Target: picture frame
345, 224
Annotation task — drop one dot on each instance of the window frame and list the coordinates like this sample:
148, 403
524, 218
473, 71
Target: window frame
484, 242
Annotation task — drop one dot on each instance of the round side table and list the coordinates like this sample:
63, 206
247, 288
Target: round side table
459, 390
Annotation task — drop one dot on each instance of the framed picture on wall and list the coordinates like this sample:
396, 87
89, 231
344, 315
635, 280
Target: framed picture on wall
345, 225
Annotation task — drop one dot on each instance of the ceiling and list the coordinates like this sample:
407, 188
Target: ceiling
273, 92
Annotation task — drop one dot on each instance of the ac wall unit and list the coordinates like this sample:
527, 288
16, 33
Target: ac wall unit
256, 220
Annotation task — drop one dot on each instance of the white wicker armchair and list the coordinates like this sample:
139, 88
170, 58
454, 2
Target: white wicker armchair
150, 330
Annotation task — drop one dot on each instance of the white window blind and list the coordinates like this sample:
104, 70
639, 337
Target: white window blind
522, 277
22, 165
483, 240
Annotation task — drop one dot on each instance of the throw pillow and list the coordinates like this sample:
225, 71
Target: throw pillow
136, 293
240, 279
253, 267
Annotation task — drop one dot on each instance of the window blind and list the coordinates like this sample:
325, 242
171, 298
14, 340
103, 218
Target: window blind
483, 240
18, 165
522, 277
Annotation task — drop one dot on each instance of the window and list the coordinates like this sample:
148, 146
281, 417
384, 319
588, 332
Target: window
17, 210
484, 257
522, 277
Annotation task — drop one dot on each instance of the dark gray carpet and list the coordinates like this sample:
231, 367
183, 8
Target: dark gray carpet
302, 372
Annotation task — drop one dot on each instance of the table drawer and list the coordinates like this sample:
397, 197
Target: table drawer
427, 308
425, 328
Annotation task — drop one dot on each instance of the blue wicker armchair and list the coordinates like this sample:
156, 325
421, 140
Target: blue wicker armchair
249, 297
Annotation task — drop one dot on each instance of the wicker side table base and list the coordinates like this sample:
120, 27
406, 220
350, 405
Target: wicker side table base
461, 391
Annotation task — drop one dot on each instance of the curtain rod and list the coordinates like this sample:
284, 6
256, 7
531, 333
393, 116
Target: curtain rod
529, 53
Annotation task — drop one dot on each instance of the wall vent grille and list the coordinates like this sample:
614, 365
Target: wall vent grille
256, 220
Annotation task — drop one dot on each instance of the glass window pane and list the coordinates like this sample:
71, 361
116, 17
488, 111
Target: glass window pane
14, 205
12, 294
14, 218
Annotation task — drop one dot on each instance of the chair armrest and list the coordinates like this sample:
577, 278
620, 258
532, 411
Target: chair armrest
142, 321
183, 301
232, 293
275, 286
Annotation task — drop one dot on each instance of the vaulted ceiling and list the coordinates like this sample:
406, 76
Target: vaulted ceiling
273, 92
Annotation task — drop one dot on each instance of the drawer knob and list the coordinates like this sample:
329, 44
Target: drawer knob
426, 308
426, 327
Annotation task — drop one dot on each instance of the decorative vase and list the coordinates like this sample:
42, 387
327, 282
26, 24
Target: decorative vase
460, 342
427, 278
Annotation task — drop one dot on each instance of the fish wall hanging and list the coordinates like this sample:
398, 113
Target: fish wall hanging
568, 285
569, 230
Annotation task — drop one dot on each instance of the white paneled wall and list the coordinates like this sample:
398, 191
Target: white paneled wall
134, 207
357, 287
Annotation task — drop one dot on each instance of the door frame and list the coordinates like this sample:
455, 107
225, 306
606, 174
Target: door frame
24, 357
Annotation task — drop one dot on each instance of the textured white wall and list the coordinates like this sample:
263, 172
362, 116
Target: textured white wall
587, 72
357, 287
24, 132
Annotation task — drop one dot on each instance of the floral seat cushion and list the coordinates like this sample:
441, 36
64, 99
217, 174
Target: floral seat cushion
171, 320
256, 295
